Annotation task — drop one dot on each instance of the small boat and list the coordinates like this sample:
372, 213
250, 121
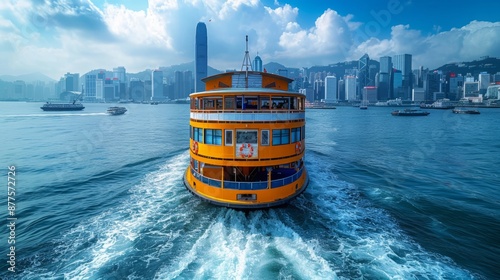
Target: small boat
62, 106
466, 111
438, 104
410, 112
116, 110
363, 107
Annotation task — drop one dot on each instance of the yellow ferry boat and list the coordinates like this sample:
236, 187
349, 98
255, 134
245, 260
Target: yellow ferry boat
247, 141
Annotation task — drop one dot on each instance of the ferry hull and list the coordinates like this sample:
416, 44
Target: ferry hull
266, 198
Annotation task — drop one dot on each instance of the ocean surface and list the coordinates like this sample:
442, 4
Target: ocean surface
101, 197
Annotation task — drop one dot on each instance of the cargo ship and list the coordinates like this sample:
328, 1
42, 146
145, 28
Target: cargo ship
247, 141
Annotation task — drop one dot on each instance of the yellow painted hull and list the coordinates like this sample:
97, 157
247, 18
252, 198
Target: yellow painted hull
265, 198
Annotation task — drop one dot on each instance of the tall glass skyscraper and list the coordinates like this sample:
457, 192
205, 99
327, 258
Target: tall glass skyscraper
402, 62
201, 57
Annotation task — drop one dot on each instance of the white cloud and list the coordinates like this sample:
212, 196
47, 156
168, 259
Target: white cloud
470, 42
326, 41
57, 37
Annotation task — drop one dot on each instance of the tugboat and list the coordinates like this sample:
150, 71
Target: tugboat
247, 140
116, 110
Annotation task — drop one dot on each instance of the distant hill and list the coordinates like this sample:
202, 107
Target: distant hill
486, 64
29, 78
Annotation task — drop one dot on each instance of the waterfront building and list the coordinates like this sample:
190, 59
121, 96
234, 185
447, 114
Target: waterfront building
201, 56
136, 90
397, 84
341, 90
157, 85
120, 73
330, 89
71, 82
402, 62
496, 78
363, 73
90, 87
319, 89
484, 82
433, 83
370, 94
418, 95
469, 78
471, 90
350, 88
493, 92
456, 84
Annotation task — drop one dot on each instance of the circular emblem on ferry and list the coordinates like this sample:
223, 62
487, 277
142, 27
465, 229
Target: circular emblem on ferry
246, 150
195, 147
298, 147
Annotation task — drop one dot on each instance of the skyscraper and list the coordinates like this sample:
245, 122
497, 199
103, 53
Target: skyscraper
330, 89
257, 63
157, 85
385, 90
402, 62
201, 57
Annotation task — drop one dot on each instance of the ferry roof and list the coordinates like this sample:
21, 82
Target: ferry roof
244, 91
217, 76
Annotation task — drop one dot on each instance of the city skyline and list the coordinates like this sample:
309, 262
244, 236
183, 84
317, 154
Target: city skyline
77, 36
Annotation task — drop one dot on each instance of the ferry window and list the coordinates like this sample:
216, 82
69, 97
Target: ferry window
229, 103
264, 137
198, 134
228, 138
303, 132
213, 136
296, 134
251, 102
281, 136
218, 103
246, 136
280, 102
239, 102
209, 104
265, 103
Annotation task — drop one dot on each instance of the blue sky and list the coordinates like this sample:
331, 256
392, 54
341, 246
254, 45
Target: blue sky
55, 37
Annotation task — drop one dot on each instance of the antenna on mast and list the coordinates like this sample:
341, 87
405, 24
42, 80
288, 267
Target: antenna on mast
246, 60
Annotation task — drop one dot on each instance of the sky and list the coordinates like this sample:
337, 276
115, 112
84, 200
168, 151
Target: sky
76, 36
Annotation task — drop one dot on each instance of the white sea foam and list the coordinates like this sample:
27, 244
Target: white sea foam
112, 233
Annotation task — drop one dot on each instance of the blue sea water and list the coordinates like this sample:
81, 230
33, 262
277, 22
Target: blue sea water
101, 197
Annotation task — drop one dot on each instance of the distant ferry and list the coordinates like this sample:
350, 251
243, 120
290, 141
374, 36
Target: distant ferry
116, 110
247, 141
409, 113
466, 111
62, 106
438, 104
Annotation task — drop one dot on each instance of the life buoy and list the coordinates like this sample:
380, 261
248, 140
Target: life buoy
298, 147
248, 147
195, 147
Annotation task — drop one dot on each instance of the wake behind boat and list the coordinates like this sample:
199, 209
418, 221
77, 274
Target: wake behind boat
62, 106
116, 110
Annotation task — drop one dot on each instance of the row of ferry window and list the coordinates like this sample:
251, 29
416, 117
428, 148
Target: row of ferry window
247, 103
248, 136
